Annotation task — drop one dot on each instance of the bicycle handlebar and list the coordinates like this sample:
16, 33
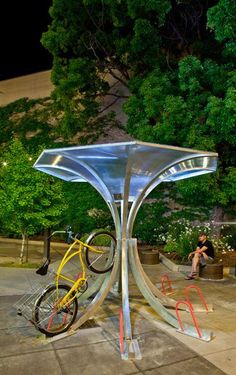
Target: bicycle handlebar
44, 268
70, 233
56, 231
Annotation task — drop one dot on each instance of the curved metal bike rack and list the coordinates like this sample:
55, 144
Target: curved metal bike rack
125, 173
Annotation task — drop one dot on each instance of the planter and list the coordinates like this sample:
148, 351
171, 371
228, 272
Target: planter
232, 269
149, 257
211, 271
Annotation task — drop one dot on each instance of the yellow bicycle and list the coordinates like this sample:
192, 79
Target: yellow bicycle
56, 308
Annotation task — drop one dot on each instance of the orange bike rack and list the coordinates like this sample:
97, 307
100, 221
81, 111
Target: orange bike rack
166, 276
199, 292
188, 303
122, 347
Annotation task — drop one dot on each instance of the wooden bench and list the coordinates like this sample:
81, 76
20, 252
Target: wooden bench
212, 271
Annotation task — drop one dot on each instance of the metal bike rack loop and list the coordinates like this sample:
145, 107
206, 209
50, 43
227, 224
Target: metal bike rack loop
124, 174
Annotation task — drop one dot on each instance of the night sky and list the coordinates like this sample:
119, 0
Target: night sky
22, 53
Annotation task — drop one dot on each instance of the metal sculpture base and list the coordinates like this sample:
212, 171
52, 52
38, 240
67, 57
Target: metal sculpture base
132, 350
151, 293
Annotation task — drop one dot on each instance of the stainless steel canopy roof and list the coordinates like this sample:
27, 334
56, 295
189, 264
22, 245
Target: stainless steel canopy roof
108, 166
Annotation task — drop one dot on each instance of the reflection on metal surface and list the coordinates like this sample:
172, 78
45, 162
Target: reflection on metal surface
56, 160
127, 172
108, 163
158, 304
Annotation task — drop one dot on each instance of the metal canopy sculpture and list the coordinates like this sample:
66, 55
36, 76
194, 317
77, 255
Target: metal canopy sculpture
122, 173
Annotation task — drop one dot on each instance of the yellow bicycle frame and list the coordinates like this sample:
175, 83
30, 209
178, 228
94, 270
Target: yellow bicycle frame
80, 282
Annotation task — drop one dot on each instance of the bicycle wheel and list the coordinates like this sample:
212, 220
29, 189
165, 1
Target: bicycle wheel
104, 242
50, 319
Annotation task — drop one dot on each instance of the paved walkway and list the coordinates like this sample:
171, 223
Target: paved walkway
96, 350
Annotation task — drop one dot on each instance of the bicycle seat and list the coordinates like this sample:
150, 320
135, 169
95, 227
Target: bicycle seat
44, 268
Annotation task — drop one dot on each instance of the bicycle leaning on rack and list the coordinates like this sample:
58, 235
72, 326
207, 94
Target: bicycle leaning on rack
54, 309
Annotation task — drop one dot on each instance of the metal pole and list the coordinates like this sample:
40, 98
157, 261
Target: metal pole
47, 240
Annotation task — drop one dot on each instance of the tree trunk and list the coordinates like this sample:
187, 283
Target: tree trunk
27, 248
22, 251
46, 235
217, 220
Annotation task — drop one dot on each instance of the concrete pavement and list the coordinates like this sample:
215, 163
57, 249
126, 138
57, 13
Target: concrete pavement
95, 350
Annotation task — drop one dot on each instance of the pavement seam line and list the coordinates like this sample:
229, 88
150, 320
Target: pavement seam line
63, 372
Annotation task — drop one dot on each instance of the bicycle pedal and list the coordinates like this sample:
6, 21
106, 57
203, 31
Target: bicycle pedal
67, 311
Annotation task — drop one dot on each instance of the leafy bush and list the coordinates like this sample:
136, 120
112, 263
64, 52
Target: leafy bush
182, 237
229, 233
86, 209
150, 222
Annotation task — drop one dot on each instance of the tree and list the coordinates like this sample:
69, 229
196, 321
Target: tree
194, 105
221, 19
30, 120
87, 210
178, 60
29, 200
90, 39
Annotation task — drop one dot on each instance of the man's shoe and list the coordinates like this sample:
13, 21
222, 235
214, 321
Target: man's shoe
191, 276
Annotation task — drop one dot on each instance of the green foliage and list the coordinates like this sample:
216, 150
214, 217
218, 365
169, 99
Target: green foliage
86, 208
19, 265
221, 18
89, 39
200, 191
228, 233
150, 221
200, 113
29, 120
228, 186
178, 60
182, 237
180, 73
29, 200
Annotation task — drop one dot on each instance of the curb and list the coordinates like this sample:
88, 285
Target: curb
172, 266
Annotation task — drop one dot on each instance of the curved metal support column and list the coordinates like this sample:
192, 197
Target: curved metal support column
125, 290
93, 288
161, 176
96, 302
165, 300
100, 186
124, 259
145, 290
153, 301
102, 285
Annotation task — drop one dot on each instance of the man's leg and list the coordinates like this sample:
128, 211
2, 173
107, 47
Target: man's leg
195, 263
205, 256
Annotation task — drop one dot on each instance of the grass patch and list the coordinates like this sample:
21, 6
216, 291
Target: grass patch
18, 265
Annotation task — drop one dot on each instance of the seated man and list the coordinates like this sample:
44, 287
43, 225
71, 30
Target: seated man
203, 254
